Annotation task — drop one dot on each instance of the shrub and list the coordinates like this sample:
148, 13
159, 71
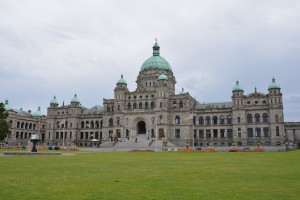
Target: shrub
233, 149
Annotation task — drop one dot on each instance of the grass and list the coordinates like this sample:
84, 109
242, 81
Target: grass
148, 175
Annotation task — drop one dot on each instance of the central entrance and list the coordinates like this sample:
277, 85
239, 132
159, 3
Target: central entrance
141, 127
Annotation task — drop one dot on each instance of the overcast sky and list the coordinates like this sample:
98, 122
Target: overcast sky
63, 47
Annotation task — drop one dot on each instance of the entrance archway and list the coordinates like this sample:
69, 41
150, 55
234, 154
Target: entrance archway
141, 127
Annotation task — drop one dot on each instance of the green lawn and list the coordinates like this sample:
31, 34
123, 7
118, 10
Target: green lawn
150, 175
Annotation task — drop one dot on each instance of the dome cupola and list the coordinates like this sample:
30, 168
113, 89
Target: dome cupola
38, 113
182, 92
274, 85
156, 61
237, 87
7, 106
54, 101
75, 99
122, 80
162, 76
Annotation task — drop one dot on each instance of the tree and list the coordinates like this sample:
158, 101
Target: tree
4, 125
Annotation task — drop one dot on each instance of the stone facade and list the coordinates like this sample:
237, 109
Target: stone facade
153, 109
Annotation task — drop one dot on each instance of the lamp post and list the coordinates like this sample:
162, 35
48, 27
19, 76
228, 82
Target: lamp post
34, 139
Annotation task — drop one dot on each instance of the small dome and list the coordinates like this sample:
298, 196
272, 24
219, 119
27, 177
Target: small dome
274, 85
7, 106
162, 76
182, 92
75, 99
122, 80
38, 113
156, 61
54, 101
237, 87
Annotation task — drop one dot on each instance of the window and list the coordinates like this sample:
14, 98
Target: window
239, 132
194, 120
249, 118
215, 120
118, 121
152, 104
177, 120
177, 133
134, 106
201, 133
239, 120
229, 119
146, 105
249, 132
129, 106
140, 105
265, 117
266, 131
222, 132
208, 133
248, 102
201, 121
174, 104
180, 104
276, 118
229, 133
82, 124
222, 120
258, 132
207, 120
160, 104
111, 122
215, 132
92, 124
277, 130
257, 118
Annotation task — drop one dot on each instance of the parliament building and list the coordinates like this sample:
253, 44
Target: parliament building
154, 110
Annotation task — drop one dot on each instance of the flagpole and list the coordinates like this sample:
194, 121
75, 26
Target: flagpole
193, 131
156, 133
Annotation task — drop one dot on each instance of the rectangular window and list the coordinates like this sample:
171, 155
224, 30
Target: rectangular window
239, 120
177, 133
86, 135
222, 132
229, 133
57, 135
266, 132
276, 118
208, 133
249, 132
277, 130
239, 132
201, 133
17, 135
258, 132
81, 135
215, 131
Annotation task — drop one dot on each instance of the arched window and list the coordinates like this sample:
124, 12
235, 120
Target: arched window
26, 125
177, 119
160, 104
18, 124
101, 124
82, 124
34, 125
249, 118
215, 120
180, 104
222, 120
152, 104
97, 124
108, 108
265, 117
140, 105
87, 124
229, 119
92, 124
201, 121
129, 106
257, 118
174, 104
146, 105
134, 106
207, 120
30, 126
22, 125
111, 122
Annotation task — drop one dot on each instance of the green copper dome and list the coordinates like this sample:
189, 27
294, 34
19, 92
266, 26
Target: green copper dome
122, 80
274, 85
237, 87
75, 99
156, 61
54, 101
162, 76
38, 113
182, 92
7, 106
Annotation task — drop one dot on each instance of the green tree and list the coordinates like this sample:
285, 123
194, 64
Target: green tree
4, 125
